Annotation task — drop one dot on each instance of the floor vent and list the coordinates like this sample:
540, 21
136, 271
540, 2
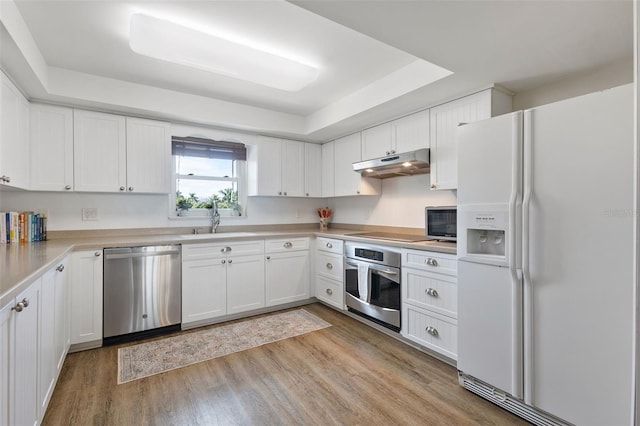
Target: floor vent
505, 401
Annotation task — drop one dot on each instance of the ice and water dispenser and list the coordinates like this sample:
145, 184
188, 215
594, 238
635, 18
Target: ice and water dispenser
485, 241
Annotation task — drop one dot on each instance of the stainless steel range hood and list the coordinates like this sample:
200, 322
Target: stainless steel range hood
404, 164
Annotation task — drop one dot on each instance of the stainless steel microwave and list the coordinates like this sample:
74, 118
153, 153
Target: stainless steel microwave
441, 223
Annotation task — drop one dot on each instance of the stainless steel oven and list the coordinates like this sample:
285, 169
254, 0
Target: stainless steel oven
372, 283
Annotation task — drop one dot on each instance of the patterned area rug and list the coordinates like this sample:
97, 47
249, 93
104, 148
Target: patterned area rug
147, 359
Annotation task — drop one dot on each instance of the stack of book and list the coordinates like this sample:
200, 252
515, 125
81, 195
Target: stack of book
22, 227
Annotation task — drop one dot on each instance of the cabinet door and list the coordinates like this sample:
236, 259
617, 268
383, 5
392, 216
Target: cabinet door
61, 302
25, 365
328, 169
148, 156
377, 142
411, 132
99, 152
445, 119
14, 135
330, 291
51, 135
292, 161
46, 359
204, 289
347, 152
6, 359
245, 283
265, 167
86, 296
312, 170
287, 277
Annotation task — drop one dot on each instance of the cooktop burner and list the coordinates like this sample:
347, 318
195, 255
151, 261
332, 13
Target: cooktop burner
405, 238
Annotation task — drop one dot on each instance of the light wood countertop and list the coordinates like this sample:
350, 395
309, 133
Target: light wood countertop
21, 264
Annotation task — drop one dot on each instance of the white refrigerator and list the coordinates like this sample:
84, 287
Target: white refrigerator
545, 260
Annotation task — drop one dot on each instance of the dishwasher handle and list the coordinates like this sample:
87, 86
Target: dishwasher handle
139, 254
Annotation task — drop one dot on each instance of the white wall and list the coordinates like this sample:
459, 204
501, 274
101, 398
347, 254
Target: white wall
402, 203
605, 77
124, 211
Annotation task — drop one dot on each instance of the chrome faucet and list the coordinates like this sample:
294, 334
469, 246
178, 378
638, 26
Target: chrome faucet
215, 216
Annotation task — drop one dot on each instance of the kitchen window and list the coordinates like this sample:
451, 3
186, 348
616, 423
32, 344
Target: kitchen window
205, 169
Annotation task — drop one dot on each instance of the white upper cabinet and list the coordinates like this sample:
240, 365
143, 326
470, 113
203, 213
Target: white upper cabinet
377, 141
100, 152
148, 155
402, 135
411, 132
117, 154
312, 170
14, 136
276, 168
446, 118
328, 169
51, 134
348, 182
293, 168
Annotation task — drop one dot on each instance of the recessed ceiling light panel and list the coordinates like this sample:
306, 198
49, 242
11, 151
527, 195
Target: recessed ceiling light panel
167, 41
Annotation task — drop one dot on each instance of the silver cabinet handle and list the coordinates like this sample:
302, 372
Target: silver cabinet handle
285, 193
122, 188
131, 188
6, 179
432, 292
432, 331
357, 191
307, 194
433, 186
96, 254
268, 257
225, 249
230, 261
19, 307
280, 193
223, 261
288, 244
329, 266
67, 187
25, 302
228, 249
432, 262
60, 268
329, 245
329, 291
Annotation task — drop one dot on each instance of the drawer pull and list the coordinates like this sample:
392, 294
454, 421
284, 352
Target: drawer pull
329, 266
329, 291
432, 331
230, 261
60, 268
432, 292
19, 307
329, 245
288, 244
432, 262
98, 253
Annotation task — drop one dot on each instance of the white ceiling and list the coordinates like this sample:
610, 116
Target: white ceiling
369, 52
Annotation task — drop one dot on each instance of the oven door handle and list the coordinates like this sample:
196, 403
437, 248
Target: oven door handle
373, 268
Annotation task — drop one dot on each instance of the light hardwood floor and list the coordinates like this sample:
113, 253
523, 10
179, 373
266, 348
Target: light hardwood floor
346, 374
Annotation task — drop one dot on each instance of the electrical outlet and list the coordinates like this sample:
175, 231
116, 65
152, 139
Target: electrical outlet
89, 213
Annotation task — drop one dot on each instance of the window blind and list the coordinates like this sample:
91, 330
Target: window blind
207, 148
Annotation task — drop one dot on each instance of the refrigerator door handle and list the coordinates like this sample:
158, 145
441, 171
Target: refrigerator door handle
527, 318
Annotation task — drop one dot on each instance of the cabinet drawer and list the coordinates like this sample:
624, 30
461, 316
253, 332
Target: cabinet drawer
431, 291
329, 265
429, 261
286, 244
205, 251
431, 330
330, 291
330, 245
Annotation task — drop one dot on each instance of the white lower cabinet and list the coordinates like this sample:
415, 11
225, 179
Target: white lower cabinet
329, 279
221, 278
245, 283
429, 300
86, 297
286, 270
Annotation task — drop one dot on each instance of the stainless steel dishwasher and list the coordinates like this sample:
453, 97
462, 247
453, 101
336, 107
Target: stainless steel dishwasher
142, 291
